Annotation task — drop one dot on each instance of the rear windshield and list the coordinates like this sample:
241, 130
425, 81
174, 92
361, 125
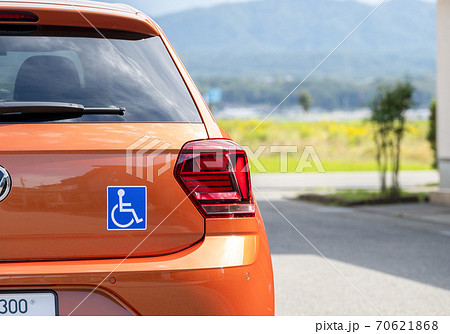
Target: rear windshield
77, 65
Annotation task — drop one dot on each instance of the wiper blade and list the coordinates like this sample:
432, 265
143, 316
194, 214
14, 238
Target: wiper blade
38, 107
105, 111
10, 108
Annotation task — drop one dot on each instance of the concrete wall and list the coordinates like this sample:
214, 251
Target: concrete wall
443, 91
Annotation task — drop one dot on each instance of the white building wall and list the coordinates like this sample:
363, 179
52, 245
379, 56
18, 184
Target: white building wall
443, 91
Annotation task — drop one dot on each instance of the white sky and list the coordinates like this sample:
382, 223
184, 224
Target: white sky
374, 2
161, 7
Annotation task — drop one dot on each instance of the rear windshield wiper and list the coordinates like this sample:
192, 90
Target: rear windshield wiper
61, 108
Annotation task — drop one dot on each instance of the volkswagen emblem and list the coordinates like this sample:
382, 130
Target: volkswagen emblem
5, 183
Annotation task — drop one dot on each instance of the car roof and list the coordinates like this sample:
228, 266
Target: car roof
77, 3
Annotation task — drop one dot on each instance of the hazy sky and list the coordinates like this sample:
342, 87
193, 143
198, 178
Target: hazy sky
374, 2
161, 7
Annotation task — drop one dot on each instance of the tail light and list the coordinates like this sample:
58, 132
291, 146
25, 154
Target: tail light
18, 17
215, 175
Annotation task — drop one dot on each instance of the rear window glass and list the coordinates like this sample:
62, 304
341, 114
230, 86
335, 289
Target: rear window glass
77, 65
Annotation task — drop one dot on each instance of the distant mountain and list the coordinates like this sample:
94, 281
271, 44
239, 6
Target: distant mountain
290, 37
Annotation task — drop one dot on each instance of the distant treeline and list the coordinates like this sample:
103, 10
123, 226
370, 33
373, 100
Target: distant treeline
327, 93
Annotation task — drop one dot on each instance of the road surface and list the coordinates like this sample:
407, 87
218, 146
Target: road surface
352, 262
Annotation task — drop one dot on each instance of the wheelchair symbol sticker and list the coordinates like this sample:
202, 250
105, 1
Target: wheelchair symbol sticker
127, 208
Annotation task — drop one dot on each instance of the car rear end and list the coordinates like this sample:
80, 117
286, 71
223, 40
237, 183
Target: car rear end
120, 195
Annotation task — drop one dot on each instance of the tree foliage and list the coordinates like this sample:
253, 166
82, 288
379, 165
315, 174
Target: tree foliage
305, 100
328, 93
388, 118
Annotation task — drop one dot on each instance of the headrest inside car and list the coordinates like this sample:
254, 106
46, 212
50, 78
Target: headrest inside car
47, 78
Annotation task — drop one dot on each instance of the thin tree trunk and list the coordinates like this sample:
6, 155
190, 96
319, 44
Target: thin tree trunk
381, 158
384, 155
396, 159
399, 136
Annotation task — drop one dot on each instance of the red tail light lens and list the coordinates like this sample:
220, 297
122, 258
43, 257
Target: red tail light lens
18, 17
216, 175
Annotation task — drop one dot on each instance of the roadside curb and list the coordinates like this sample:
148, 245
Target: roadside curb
438, 225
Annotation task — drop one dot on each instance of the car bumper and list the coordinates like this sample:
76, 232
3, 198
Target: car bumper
221, 275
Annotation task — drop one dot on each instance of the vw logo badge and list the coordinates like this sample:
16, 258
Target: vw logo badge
5, 183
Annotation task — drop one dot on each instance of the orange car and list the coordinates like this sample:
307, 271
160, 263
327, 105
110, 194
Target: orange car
119, 193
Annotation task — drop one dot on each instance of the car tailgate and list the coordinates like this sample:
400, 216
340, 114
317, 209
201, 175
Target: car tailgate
61, 172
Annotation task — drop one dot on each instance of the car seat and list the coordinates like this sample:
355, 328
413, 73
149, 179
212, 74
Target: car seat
47, 78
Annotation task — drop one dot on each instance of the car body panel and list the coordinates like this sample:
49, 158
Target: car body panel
221, 275
65, 190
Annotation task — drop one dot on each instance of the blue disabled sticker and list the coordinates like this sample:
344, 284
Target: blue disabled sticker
127, 208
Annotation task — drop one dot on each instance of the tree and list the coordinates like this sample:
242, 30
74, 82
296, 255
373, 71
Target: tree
388, 117
305, 100
432, 131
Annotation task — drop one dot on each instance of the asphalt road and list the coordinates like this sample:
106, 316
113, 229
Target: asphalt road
371, 264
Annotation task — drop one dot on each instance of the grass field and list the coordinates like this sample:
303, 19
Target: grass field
355, 197
364, 195
341, 146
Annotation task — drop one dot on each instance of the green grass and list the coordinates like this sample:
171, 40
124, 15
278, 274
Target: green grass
272, 165
364, 195
354, 197
341, 146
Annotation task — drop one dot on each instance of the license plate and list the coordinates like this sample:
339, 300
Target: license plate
32, 303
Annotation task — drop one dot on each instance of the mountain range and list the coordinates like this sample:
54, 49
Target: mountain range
282, 38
